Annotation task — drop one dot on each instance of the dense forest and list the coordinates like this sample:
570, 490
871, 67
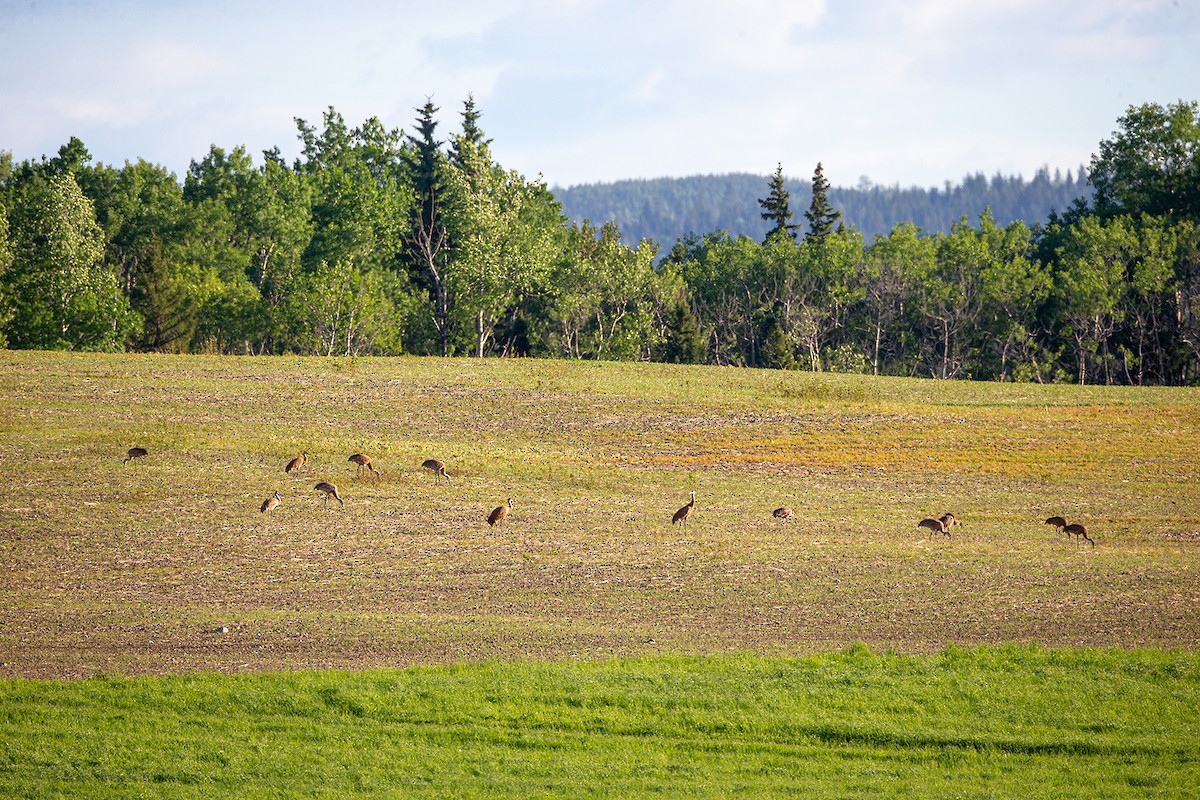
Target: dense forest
665, 210
375, 241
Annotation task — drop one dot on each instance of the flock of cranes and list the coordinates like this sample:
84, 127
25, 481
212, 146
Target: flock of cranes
363, 461
942, 524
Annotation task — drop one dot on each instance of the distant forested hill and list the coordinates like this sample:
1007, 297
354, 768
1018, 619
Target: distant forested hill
665, 209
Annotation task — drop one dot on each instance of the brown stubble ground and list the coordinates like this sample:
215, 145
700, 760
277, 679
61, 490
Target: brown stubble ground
132, 569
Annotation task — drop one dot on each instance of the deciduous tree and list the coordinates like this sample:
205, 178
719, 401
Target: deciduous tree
503, 246
1013, 286
1151, 165
64, 297
1089, 282
893, 265
6, 259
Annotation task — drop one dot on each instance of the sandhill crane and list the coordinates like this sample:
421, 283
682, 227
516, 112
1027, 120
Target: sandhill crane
499, 513
783, 512
330, 490
949, 520
297, 463
934, 526
363, 460
1059, 524
1077, 530
438, 468
682, 514
270, 503
134, 452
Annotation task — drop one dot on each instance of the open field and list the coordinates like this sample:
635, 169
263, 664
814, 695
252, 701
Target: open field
133, 568
982, 723
586, 646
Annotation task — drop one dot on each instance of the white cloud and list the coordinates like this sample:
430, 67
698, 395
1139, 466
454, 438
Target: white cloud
94, 112
602, 89
940, 17
759, 34
165, 64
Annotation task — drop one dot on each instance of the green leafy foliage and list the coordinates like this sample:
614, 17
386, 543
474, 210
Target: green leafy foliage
893, 266
6, 259
683, 341
1090, 281
436, 248
341, 309
501, 251
606, 299
63, 296
1151, 165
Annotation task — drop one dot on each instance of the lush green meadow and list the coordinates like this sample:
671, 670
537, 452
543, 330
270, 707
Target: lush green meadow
586, 645
996, 722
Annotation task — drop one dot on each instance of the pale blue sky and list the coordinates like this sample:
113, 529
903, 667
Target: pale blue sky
914, 92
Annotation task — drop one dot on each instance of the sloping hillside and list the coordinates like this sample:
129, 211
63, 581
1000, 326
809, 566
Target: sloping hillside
665, 209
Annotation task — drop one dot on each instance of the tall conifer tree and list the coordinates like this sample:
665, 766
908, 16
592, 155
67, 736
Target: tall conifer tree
683, 341
428, 237
471, 132
425, 161
777, 207
820, 215
168, 312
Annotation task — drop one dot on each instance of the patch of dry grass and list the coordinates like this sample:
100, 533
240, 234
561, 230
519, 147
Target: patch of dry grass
133, 568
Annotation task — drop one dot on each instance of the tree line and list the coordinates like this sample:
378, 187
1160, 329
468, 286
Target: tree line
664, 210
379, 242
372, 242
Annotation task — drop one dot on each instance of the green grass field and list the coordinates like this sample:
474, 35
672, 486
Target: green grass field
632, 657
996, 722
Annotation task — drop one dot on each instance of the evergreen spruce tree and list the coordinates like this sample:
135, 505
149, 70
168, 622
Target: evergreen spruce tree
425, 162
471, 132
682, 342
820, 215
168, 313
779, 348
776, 207
427, 240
